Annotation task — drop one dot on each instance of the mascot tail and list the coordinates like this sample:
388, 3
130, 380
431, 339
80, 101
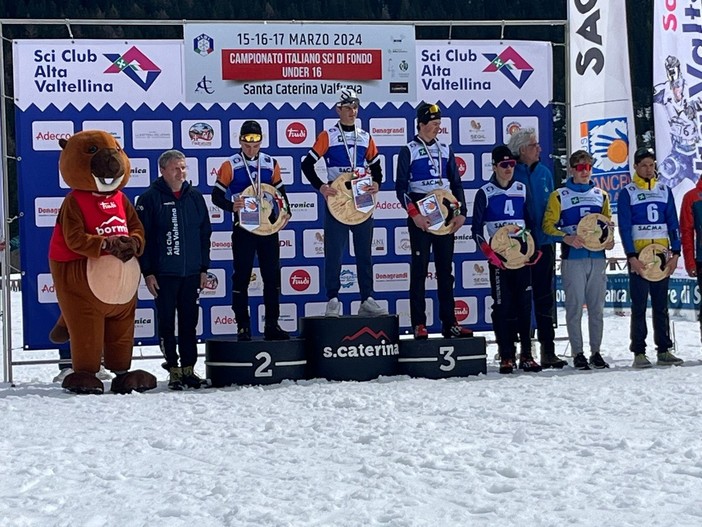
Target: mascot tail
59, 333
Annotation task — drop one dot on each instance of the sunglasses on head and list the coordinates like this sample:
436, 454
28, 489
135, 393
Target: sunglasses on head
582, 167
434, 108
508, 163
251, 138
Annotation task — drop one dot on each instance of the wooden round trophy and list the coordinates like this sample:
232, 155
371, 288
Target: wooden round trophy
596, 231
342, 205
514, 245
654, 257
448, 205
273, 210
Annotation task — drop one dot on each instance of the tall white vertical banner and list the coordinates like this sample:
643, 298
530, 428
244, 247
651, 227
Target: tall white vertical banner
677, 93
602, 116
2, 198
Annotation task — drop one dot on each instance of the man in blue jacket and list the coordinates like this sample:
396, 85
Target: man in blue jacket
175, 262
539, 179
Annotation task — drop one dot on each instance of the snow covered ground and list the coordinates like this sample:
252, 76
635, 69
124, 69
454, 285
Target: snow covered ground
619, 447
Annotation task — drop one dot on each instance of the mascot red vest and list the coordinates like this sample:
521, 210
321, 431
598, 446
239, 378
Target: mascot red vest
93, 261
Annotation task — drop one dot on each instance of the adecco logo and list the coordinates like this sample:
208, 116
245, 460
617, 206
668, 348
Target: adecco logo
300, 280
462, 310
46, 134
296, 133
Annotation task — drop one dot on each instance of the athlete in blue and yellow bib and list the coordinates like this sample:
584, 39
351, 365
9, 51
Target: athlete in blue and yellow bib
582, 270
503, 201
647, 214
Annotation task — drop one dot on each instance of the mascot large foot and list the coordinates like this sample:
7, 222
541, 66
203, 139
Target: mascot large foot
133, 381
82, 382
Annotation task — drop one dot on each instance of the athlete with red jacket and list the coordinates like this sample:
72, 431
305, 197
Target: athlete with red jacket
691, 233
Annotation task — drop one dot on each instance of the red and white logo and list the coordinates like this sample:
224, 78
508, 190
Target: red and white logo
462, 166
296, 132
107, 205
462, 310
300, 280
115, 226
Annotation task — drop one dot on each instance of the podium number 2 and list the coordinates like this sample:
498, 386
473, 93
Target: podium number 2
447, 352
263, 369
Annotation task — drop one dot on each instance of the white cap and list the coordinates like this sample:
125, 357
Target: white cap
347, 96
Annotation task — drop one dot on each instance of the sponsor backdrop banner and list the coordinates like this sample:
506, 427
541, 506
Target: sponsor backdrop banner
208, 134
477, 71
677, 99
602, 117
296, 63
63, 72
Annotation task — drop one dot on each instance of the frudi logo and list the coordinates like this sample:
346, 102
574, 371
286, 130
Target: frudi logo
511, 64
135, 65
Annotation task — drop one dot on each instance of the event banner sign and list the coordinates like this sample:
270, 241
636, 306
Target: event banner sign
107, 72
602, 116
677, 93
208, 134
296, 63
484, 71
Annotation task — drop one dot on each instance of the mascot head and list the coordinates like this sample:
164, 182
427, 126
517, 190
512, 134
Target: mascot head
92, 160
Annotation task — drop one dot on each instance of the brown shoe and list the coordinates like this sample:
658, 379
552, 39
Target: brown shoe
133, 381
83, 382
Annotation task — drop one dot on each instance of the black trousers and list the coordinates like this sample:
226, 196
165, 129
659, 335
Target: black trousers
178, 294
511, 309
245, 246
639, 289
698, 265
542, 278
421, 245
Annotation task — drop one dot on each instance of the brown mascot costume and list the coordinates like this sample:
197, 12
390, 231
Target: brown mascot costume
92, 256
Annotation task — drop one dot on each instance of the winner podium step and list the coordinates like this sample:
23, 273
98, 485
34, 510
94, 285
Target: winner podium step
351, 348
256, 362
440, 358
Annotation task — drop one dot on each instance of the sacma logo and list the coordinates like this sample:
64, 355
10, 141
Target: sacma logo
377, 347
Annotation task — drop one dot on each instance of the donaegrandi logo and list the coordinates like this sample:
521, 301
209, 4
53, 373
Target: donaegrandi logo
511, 64
135, 65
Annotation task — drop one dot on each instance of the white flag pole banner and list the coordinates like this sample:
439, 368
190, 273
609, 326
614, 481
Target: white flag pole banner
3, 217
677, 97
294, 63
602, 116
139, 91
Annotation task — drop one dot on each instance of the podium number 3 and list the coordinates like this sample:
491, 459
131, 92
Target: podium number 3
447, 352
263, 369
